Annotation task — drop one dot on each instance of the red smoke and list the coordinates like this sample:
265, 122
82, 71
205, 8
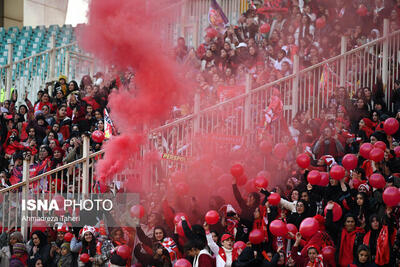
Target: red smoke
121, 33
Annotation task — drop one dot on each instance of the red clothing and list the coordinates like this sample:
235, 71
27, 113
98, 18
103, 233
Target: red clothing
90, 101
304, 261
347, 246
206, 261
382, 245
40, 105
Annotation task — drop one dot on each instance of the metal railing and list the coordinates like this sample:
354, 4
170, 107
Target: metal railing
31, 74
237, 119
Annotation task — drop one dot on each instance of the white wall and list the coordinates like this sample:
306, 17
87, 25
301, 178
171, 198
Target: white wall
45, 12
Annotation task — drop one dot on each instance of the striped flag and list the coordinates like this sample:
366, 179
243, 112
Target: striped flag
108, 125
216, 16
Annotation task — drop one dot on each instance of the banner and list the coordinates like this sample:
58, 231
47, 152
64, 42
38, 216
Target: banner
108, 125
173, 157
217, 17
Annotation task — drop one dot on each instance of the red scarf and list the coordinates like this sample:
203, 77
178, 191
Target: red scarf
347, 245
317, 263
382, 246
260, 223
231, 225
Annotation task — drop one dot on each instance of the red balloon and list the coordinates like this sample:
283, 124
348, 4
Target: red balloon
365, 149
380, 144
278, 228
328, 252
308, 227
237, 170
182, 263
376, 180
303, 160
261, 182
265, 147
337, 172
324, 179
292, 229
390, 126
337, 212
182, 188
98, 136
137, 211
239, 245
350, 161
39, 226
241, 180
274, 199
212, 217
250, 186
265, 28
362, 11
314, 177
212, 33
376, 154
391, 196
397, 151
178, 217
280, 151
68, 237
356, 183
179, 228
84, 257
124, 252
320, 23
256, 236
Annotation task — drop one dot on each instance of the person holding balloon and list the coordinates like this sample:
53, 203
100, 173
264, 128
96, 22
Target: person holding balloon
88, 256
224, 255
347, 239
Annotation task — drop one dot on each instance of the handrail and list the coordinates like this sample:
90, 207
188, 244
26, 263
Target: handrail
43, 52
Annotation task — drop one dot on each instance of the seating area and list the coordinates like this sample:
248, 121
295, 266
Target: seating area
29, 41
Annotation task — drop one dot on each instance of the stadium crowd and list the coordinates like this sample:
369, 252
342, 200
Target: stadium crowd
364, 232
265, 40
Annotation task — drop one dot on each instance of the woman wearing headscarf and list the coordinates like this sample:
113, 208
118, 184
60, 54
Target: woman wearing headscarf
301, 213
348, 238
380, 238
7, 250
159, 237
89, 243
39, 249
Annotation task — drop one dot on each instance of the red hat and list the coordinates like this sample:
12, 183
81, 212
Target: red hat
225, 237
63, 228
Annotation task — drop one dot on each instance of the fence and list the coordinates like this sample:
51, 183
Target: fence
190, 19
31, 74
238, 119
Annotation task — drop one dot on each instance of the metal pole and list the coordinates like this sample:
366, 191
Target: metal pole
85, 167
247, 103
9, 71
385, 57
196, 112
343, 61
24, 196
295, 86
66, 65
52, 57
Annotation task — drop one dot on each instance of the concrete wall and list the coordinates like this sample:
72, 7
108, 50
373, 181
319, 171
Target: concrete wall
44, 12
11, 13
